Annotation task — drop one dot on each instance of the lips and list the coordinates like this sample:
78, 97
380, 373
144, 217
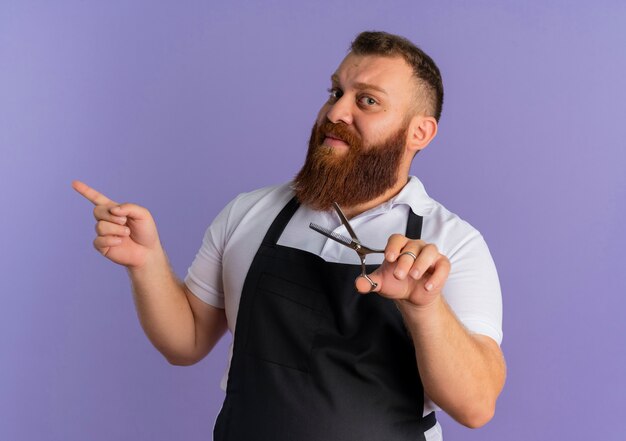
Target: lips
333, 141
337, 136
328, 135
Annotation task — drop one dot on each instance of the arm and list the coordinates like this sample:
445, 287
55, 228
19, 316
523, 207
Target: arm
462, 373
180, 326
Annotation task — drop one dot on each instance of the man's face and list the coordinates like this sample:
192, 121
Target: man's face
371, 95
357, 145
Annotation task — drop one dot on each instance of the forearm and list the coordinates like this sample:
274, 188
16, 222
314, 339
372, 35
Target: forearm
461, 372
163, 309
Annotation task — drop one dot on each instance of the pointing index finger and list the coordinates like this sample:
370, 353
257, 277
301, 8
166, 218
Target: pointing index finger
90, 194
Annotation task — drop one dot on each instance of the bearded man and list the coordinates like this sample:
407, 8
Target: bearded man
319, 352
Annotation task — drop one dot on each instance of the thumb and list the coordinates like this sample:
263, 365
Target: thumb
364, 286
131, 211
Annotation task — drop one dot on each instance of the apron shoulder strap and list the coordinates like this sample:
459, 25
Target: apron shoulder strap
281, 221
414, 226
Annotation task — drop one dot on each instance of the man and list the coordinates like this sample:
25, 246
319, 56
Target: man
312, 358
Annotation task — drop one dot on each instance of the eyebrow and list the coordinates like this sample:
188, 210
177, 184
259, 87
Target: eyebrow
361, 86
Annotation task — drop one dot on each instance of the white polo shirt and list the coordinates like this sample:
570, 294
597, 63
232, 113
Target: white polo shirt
472, 290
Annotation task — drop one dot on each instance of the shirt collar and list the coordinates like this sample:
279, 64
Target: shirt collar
414, 195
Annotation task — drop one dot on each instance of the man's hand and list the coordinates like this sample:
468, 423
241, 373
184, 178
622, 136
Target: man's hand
179, 325
401, 276
462, 373
126, 233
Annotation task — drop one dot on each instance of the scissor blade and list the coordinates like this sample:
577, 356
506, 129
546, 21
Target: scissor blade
332, 235
344, 221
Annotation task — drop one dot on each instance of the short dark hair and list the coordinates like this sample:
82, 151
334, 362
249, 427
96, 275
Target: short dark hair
424, 68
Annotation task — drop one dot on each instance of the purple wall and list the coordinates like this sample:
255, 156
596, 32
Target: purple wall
179, 107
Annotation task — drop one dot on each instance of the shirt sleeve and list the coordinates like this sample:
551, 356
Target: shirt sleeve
204, 276
473, 288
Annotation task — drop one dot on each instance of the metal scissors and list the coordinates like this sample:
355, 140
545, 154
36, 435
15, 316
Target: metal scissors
353, 243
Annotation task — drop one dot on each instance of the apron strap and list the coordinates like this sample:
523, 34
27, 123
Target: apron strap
429, 421
281, 221
414, 226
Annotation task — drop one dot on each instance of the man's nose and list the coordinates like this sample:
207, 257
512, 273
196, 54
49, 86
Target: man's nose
340, 111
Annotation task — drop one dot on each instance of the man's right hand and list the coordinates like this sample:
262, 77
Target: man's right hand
126, 233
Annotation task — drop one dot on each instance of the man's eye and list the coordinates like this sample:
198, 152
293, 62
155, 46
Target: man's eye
334, 94
368, 101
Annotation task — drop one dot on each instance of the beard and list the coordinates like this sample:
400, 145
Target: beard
358, 176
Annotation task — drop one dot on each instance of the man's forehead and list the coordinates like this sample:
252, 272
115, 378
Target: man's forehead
372, 69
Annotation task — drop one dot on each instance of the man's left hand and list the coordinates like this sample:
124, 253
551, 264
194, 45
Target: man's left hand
413, 270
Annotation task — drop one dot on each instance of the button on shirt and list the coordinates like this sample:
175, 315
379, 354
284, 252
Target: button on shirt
472, 290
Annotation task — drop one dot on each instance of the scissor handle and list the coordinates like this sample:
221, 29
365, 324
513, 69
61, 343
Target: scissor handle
373, 285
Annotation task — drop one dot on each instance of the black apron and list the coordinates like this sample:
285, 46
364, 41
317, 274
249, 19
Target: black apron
313, 360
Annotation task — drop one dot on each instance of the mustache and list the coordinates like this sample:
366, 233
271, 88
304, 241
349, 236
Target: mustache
339, 131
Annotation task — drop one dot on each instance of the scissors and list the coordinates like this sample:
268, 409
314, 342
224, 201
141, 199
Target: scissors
353, 243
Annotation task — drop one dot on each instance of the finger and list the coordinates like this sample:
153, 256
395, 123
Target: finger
394, 247
92, 195
407, 255
439, 275
132, 211
406, 260
427, 257
104, 228
103, 213
104, 243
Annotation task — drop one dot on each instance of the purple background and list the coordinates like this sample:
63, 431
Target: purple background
179, 106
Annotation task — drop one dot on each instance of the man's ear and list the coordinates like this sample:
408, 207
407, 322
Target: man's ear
422, 130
